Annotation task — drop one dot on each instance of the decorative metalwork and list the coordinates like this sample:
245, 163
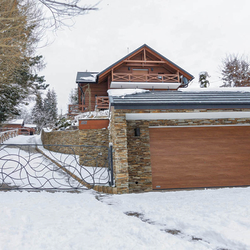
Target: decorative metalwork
54, 167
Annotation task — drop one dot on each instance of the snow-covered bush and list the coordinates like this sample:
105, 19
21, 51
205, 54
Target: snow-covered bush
204, 83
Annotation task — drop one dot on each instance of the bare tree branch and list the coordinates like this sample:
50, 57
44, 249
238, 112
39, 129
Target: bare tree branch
235, 71
63, 11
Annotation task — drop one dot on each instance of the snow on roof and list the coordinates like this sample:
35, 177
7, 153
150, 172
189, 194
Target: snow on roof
30, 125
89, 77
215, 89
203, 73
123, 92
215, 86
92, 77
102, 114
15, 121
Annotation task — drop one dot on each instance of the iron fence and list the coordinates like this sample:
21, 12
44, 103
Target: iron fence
54, 167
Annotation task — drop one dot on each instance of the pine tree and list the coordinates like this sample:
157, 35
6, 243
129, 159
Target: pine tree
50, 107
38, 114
73, 96
18, 65
204, 83
54, 105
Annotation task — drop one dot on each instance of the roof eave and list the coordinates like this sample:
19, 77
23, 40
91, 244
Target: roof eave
179, 106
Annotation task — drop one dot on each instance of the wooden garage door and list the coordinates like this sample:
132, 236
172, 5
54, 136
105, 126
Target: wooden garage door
187, 157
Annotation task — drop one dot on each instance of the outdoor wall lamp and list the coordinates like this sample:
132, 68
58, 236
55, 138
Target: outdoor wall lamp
137, 131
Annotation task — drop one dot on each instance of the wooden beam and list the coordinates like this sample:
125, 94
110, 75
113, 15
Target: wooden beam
144, 53
140, 65
142, 61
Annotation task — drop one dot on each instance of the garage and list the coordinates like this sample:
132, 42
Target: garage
200, 156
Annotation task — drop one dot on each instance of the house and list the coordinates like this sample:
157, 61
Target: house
13, 124
163, 137
179, 139
23, 129
144, 68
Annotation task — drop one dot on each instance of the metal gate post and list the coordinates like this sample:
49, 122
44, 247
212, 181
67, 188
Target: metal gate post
111, 182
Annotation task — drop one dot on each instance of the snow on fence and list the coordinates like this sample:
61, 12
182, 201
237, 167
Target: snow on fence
8, 134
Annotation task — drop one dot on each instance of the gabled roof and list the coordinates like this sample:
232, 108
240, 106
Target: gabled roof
145, 46
86, 77
182, 100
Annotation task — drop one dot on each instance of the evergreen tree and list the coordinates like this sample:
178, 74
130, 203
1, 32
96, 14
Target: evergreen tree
9, 99
18, 65
38, 114
204, 83
50, 107
73, 96
54, 105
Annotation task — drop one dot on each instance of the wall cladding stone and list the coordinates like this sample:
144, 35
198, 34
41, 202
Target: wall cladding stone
60, 138
96, 151
139, 166
118, 137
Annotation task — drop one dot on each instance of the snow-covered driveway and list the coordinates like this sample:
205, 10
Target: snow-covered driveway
201, 219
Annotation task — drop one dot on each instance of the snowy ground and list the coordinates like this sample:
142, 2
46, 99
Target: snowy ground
217, 219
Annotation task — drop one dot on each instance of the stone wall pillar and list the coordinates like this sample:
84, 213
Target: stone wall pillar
118, 137
139, 161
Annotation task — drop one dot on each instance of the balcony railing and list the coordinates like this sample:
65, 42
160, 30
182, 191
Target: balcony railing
101, 102
128, 77
76, 108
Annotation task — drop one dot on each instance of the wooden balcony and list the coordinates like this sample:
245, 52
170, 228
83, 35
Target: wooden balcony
128, 77
101, 102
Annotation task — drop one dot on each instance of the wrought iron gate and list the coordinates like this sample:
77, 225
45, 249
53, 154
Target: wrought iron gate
54, 167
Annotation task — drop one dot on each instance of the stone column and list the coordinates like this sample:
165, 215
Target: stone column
118, 138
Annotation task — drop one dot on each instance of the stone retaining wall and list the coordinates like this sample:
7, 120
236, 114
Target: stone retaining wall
60, 138
96, 153
95, 141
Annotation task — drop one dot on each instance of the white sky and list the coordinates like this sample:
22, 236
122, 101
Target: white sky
194, 34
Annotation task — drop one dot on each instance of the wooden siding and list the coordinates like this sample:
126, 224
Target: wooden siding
93, 123
96, 90
191, 157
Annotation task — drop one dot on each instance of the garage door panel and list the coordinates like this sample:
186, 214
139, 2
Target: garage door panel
204, 163
225, 176
200, 160
201, 145
198, 132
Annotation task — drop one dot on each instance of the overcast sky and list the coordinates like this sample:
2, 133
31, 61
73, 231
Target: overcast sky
194, 34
